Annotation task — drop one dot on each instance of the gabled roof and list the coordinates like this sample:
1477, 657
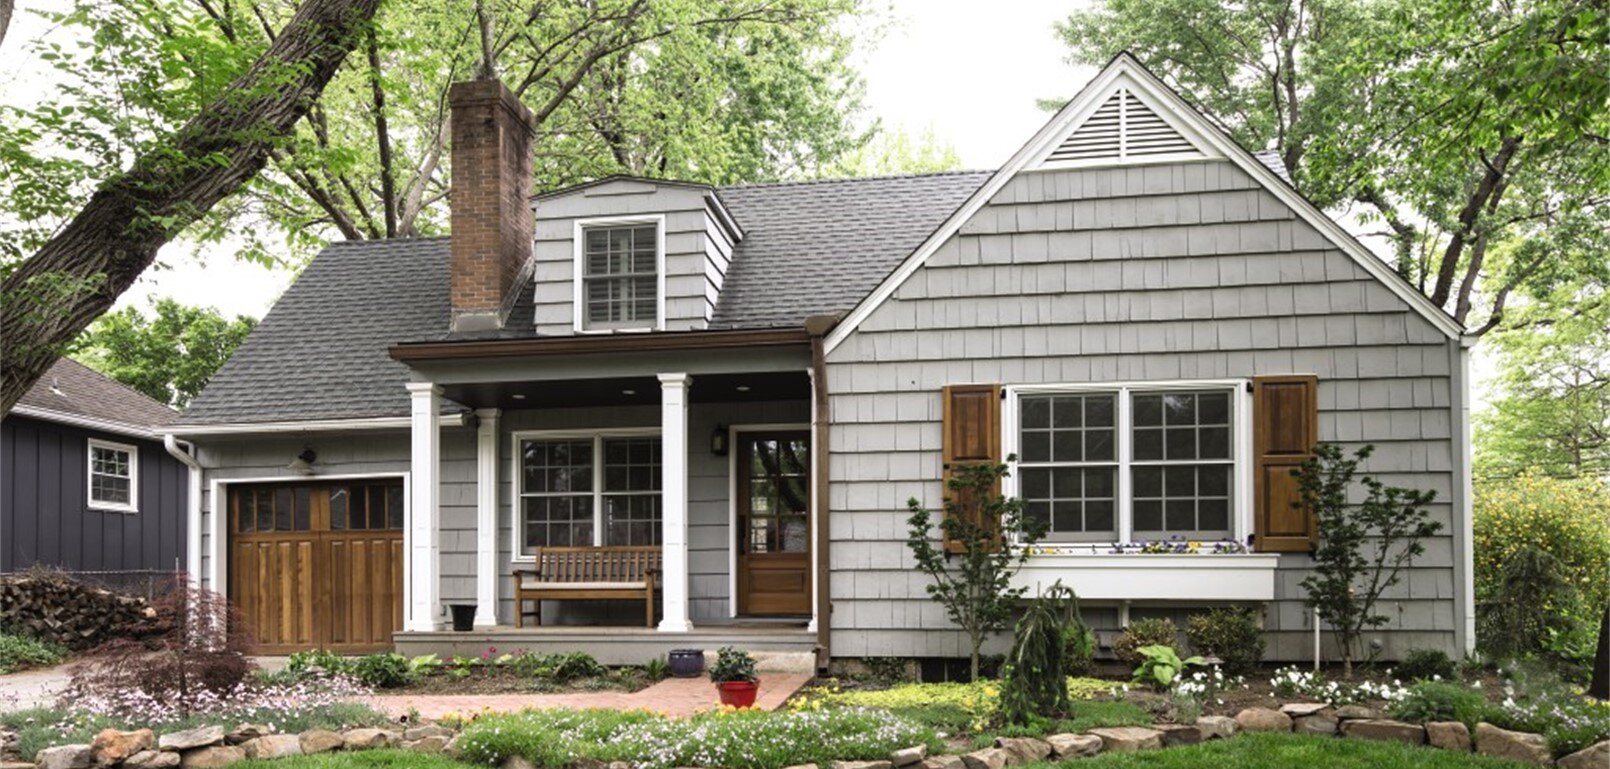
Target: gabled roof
1126, 73
73, 393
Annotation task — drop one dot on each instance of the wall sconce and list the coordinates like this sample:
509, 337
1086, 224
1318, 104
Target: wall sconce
718, 441
303, 463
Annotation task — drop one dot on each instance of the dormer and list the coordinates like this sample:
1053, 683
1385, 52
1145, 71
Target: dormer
625, 255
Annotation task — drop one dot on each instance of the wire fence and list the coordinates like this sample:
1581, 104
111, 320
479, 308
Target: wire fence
149, 584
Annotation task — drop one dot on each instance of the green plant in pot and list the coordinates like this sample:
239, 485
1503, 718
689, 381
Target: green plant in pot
734, 677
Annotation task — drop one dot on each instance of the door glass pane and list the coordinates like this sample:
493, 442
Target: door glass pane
265, 509
338, 508
394, 506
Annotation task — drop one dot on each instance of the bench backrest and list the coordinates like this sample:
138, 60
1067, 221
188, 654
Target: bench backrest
597, 564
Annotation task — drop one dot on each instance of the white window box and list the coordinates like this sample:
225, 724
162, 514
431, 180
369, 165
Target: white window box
1155, 577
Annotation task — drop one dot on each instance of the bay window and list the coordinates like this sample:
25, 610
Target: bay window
587, 490
1148, 461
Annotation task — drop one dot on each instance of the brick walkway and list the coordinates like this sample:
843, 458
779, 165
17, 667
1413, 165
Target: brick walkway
680, 697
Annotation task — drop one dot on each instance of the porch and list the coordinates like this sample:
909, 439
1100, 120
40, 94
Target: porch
698, 448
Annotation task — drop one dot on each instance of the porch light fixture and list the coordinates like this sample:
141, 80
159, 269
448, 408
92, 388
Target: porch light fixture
518, 396
628, 392
742, 388
303, 463
718, 441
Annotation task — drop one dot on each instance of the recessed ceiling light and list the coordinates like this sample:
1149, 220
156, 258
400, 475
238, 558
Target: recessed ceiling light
743, 388
518, 397
628, 392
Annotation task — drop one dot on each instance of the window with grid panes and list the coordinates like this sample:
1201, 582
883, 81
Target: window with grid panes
590, 490
620, 276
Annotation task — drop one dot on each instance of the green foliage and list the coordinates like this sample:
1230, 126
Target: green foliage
1160, 666
1035, 684
1425, 665
1157, 631
1231, 633
1280, 750
170, 355
387, 670
896, 152
887, 670
39, 728
19, 652
1427, 701
1542, 566
977, 591
733, 664
360, 759
1538, 701
320, 661
745, 739
656, 668
1363, 548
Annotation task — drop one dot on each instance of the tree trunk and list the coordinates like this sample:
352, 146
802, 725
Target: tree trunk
78, 275
978, 643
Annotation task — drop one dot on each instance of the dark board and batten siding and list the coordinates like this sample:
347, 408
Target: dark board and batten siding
45, 517
1162, 272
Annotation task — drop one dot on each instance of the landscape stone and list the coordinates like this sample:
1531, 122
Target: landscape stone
1448, 735
1515, 746
1217, 727
944, 762
365, 739
243, 733
427, 730
1319, 724
620, 765
861, 765
988, 758
111, 746
455, 746
1596, 756
273, 746
1074, 745
431, 744
212, 757
587, 763
1179, 734
152, 759
1300, 709
801, 766
1127, 739
65, 757
199, 737
17, 765
321, 741
1027, 750
1385, 730
909, 756
517, 762
1349, 712
1263, 720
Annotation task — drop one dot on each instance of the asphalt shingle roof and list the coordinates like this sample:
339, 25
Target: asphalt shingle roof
71, 388
809, 248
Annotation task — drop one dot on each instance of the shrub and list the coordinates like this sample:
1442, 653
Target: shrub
1036, 681
563, 666
1160, 666
1144, 632
18, 652
1233, 634
656, 668
747, 739
733, 664
1564, 594
383, 671
1425, 665
1536, 700
1440, 701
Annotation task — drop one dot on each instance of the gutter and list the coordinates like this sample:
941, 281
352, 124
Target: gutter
654, 341
78, 420
192, 532
817, 327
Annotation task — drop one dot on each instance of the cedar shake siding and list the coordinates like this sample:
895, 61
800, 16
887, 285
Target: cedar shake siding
1182, 271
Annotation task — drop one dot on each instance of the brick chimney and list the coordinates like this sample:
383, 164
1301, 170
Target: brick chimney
490, 200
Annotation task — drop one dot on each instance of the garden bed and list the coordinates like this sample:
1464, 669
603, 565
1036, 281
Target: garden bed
488, 673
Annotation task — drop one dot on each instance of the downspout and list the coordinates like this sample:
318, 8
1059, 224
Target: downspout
192, 532
1463, 496
818, 326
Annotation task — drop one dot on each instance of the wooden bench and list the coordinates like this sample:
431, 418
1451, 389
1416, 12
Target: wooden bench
587, 573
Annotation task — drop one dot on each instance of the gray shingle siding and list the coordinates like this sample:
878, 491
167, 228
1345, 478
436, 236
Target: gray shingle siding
1183, 271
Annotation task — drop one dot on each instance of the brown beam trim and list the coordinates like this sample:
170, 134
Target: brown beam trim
584, 344
817, 326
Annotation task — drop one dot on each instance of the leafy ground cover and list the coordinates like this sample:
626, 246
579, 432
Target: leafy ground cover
20, 652
1284, 751
39, 728
490, 672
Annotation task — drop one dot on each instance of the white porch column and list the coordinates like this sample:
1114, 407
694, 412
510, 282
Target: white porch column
674, 502
486, 518
422, 532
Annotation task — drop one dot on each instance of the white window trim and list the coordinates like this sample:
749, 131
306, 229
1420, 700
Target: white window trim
578, 266
597, 436
1241, 450
133, 505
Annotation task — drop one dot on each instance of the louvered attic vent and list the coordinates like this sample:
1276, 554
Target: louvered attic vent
1123, 128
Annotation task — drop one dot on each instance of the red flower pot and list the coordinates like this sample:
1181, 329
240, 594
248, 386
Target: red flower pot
738, 694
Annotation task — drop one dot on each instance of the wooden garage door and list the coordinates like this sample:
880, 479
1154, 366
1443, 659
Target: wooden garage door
318, 565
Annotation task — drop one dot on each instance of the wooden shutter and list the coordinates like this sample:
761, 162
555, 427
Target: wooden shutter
972, 430
1285, 427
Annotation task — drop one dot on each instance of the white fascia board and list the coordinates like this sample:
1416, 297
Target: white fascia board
91, 423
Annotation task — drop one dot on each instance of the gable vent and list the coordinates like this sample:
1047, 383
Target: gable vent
1123, 128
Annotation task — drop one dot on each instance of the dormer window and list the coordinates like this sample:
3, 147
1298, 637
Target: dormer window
620, 274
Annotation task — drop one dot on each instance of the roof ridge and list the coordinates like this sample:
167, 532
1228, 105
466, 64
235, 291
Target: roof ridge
844, 179
385, 241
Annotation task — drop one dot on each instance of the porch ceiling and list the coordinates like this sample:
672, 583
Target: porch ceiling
629, 391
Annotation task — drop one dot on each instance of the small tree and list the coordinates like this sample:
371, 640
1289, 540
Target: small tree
1363, 548
991, 539
1046, 644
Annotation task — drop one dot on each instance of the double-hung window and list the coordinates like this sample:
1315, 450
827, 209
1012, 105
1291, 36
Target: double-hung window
619, 267
1142, 462
113, 476
588, 490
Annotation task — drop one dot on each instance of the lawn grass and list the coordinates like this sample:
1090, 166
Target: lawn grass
1285, 751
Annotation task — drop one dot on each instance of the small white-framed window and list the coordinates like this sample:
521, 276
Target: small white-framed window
620, 273
587, 489
1137, 461
114, 476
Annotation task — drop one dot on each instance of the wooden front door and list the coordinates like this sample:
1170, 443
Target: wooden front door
318, 564
774, 523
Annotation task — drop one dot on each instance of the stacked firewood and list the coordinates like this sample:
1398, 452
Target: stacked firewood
58, 608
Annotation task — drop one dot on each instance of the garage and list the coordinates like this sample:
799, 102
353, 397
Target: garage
318, 564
